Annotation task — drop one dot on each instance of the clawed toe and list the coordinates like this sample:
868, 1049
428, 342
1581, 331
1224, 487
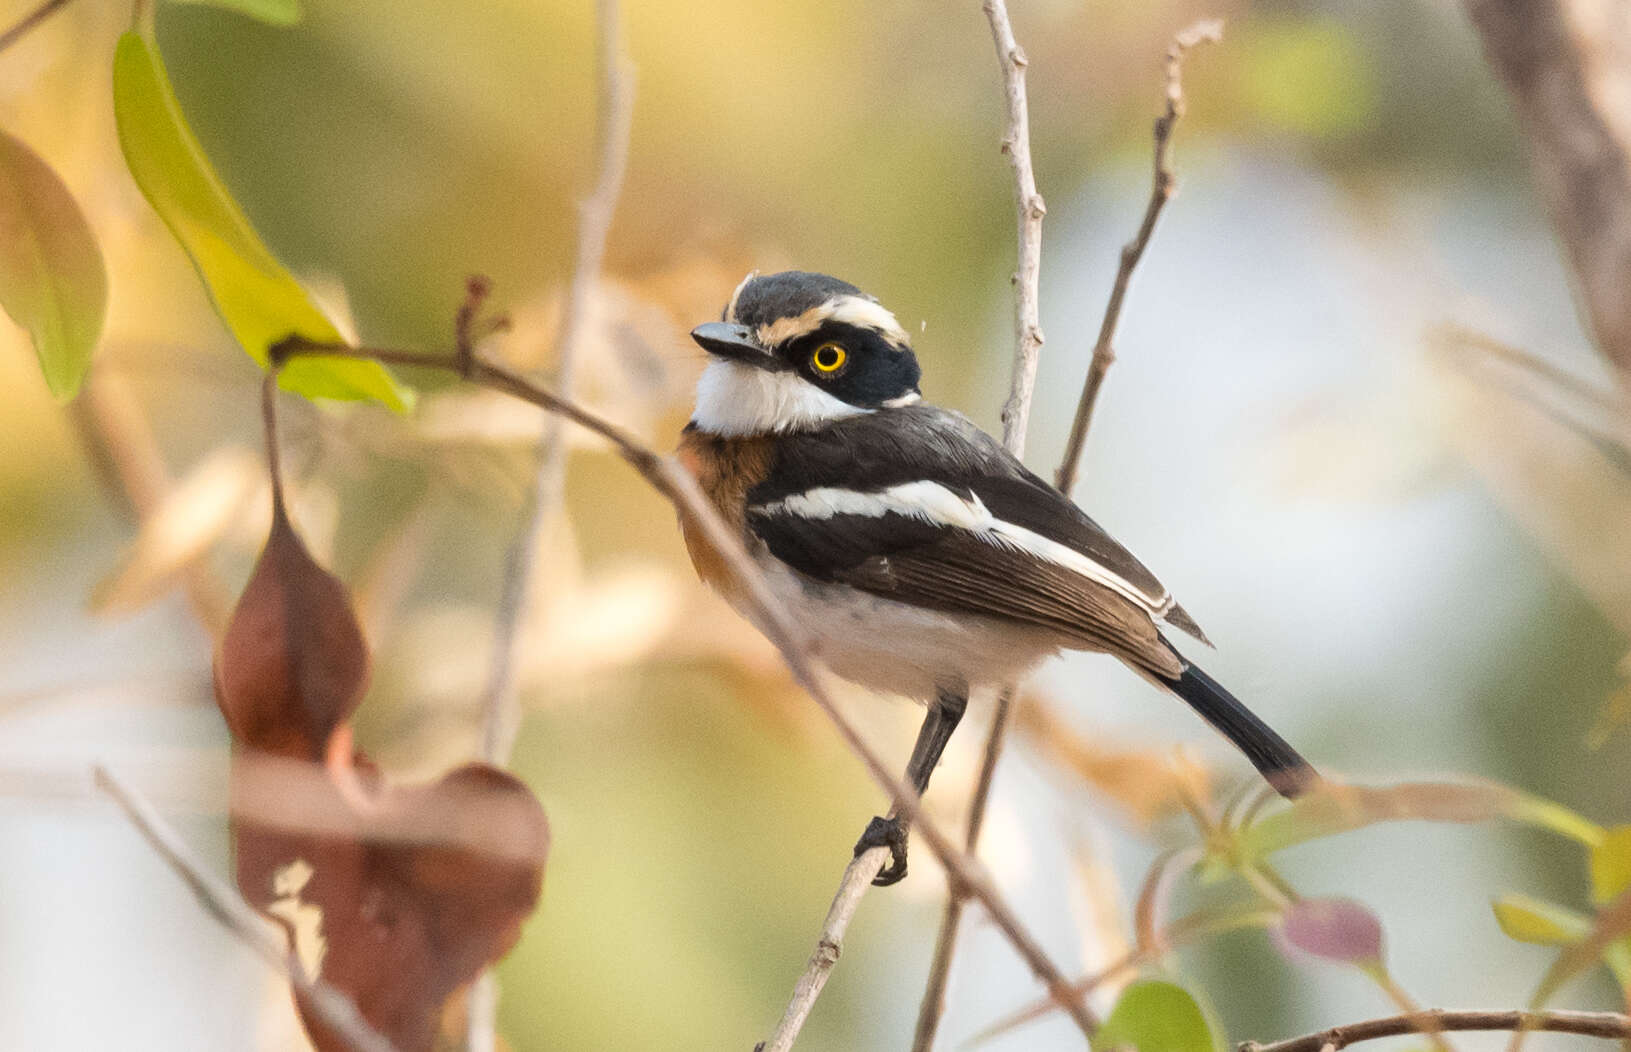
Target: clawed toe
890, 833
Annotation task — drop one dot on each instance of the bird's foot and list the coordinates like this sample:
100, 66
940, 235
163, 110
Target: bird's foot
890, 833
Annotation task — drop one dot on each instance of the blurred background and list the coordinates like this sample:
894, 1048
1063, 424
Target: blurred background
1406, 550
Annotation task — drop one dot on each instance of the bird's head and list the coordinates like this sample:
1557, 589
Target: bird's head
796, 350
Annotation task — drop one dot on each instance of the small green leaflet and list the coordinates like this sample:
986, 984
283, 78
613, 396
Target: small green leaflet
1156, 1016
1537, 921
1611, 865
52, 281
272, 12
256, 296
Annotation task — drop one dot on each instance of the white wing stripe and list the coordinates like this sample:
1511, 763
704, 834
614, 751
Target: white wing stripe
931, 502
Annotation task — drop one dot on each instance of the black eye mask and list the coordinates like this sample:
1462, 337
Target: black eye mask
873, 372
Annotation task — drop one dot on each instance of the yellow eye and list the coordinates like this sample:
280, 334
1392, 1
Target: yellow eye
829, 358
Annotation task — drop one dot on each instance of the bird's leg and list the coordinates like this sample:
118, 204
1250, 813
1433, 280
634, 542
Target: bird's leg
938, 724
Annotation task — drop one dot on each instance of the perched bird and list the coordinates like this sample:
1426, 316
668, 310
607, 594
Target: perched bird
919, 556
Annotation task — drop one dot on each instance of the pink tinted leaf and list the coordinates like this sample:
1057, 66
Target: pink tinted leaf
1335, 930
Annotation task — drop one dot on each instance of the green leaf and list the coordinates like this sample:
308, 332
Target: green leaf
272, 12
1537, 921
1341, 808
52, 281
1611, 865
1611, 925
1156, 1016
256, 296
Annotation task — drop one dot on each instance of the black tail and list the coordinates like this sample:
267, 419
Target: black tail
1287, 772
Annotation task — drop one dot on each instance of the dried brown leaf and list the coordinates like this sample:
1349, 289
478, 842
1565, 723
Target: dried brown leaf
400, 925
293, 664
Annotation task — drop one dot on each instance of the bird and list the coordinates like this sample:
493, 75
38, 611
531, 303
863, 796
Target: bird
918, 556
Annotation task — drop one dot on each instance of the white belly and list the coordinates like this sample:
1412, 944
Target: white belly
890, 646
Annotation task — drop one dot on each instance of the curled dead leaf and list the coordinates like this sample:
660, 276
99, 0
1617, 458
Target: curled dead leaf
394, 913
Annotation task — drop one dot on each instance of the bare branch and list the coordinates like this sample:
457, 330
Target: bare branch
1017, 146
857, 879
1016, 143
933, 1005
1588, 1024
965, 875
337, 1011
1016, 415
1165, 182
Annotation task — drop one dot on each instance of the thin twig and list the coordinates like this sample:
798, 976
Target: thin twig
1587, 1024
337, 1011
1407, 1005
933, 1005
857, 879
543, 497
1016, 414
1165, 182
25, 24
1016, 144
1178, 933
665, 474
499, 706
934, 994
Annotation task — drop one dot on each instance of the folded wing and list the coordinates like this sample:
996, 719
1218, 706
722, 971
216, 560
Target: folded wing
924, 508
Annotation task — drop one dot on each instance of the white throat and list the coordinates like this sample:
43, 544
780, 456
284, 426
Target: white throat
735, 400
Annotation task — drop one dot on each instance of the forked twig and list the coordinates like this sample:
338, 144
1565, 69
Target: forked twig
1164, 183
1017, 146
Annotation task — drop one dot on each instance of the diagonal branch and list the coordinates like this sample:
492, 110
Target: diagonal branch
1587, 1024
965, 875
1165, 182
336, 1010
854, 884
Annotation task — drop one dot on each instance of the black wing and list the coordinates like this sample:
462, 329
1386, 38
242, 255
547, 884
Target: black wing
820, 511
